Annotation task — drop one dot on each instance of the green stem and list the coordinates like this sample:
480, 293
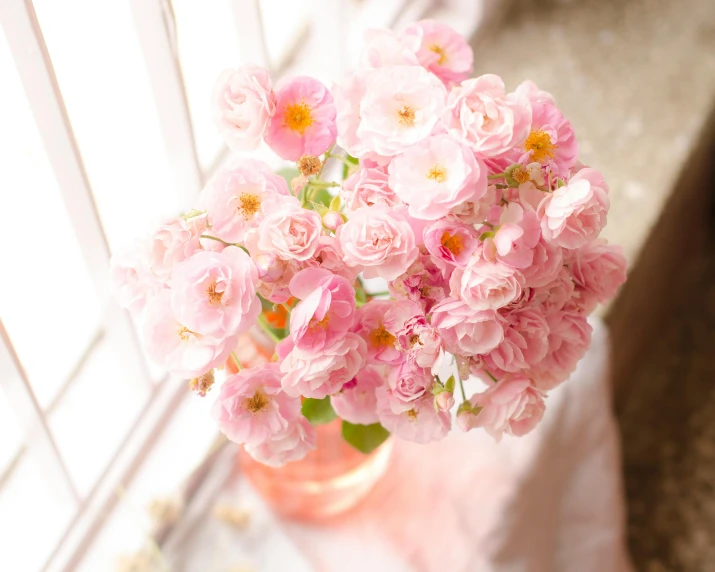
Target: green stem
267, 328
340, 158
239, 365
217, 239
323, 184
496, 176
461, 386
494, 379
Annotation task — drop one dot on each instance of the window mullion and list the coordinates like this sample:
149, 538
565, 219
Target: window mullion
156, 29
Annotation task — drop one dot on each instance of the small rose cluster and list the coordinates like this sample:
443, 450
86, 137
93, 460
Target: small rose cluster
468, 200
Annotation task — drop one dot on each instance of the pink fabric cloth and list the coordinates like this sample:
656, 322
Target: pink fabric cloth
550, 501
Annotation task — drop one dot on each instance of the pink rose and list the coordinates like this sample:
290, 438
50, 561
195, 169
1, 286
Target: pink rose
436, 175
243, 104
290, 231
406, 384
388, 48
293, 444
485, 285
356, 402
492, 122
599, 270
323, 373
443, 51
251, 407
546, 264
420, 424
379, 240
515, 237
329, 256
304, 122
569, 337
174, 241
423, 282
367, 187
512, 406
575, 214
370, 326
525, 342
386, 110
465, 331
176, 348
326, 310
239, 195
131, 280
451, 241
214, 293
420, 341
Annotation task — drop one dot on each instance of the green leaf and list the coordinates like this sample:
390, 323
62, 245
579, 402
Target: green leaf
320, 208
323, 197
449, 386
365, 438
335, 203
318, 411
353, 160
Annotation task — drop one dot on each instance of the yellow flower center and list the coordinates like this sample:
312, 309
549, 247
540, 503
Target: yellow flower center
257, 403
214, 297
297, 117
540, 143
439, 50
203, 383
249, 205
412, 415
437, 173
521, 175
185, 333
381, 338
407, 115
452, 242
315, 325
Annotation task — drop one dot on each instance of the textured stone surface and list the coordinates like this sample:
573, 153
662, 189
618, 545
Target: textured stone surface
635, 77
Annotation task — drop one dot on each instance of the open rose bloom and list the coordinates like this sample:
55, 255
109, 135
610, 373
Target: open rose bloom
464, 196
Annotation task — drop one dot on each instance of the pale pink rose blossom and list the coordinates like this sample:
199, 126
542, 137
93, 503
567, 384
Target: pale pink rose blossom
325, 312
529, 90
293, 444
252, 408
423, 282
176, 348
384, 111
436, 175
388, 48
277, 290
485, 285
239, 195
370, 326
555, 295
380, 240
366, 187
290, 231
356, 402
172, 242
545, 266
270, 268
420, 342
214, 293
329, 255
304, 122
332, 220
420, 424
444, 401
569, 337
576, 213
551, 140
451, 241
323, 373
466, 331
512, 406
243, 103
525, 342
598, 270
407, 383
517, 234
489, 120
131, 279
443, 51
475, 212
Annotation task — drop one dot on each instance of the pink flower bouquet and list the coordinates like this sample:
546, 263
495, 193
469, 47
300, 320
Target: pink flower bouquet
467, 200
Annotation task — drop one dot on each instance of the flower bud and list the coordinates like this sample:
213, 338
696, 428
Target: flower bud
202, 384
444, 400
309, 165
270, 268
332, 220
465, 420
